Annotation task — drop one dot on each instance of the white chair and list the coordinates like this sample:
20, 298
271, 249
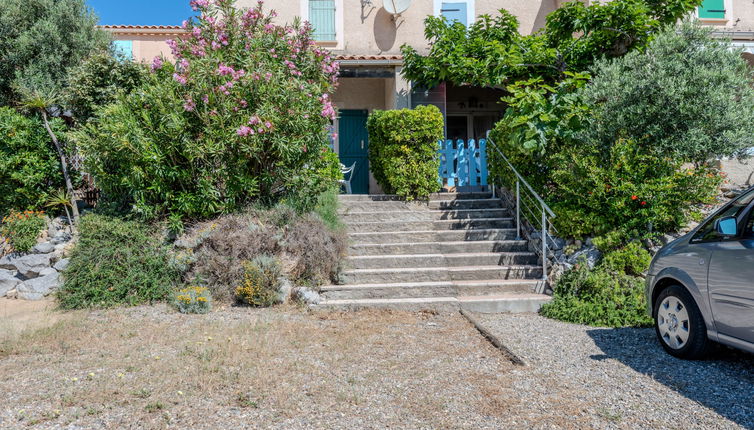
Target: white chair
347, 171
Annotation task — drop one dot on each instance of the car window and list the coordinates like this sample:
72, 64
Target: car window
708, 232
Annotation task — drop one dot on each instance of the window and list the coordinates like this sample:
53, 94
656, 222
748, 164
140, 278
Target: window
708, 232
712, 9
124, 48
456, 11
322, 19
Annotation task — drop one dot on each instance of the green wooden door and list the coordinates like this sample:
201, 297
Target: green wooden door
354, 147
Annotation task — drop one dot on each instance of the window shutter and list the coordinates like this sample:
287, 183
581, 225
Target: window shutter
454, 12
322, 19
714, 9
125, 48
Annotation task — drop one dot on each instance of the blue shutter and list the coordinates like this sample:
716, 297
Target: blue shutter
454, 12
124, 48
322, 18
712, 9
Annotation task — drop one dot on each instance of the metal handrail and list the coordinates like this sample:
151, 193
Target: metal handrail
545, 224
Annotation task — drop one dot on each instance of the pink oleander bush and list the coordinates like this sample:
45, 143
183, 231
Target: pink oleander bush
241, 116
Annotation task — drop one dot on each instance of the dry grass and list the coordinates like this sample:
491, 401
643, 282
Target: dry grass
150, 367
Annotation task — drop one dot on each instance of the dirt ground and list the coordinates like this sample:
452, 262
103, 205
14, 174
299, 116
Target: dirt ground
289, 368
150, 367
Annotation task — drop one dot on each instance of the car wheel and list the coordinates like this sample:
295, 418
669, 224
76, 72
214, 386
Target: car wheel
679, 324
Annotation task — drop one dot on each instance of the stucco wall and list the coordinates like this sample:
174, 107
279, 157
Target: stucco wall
371, 30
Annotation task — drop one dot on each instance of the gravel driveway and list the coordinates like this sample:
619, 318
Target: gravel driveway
622, 378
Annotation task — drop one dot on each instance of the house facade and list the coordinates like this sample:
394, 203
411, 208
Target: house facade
365, 37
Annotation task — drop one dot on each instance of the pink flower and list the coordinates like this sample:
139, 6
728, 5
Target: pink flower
244, 131
205, 99
157, 63
189, 105
268, 124
179, 78
254, 120
197, 4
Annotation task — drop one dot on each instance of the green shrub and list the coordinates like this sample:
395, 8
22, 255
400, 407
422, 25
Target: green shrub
193, 300
598, 297
21, 229
631, 259
116, 262
261, 282
242, 119
639, 191
688, 96
96, 82
327, 209
29, 165
403, 150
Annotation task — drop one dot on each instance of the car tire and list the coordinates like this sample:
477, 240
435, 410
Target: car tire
679, 324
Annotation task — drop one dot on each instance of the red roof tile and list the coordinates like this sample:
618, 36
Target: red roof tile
367, 57
142, 27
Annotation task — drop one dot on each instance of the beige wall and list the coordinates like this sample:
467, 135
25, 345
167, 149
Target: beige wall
371, 30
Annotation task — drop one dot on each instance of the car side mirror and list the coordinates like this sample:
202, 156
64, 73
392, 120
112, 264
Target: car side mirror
727, 226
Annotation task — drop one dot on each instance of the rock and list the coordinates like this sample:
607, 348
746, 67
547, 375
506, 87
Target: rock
43, 248
48, 271
28, 266
307, 295
12, 294
61, 265
578, 244
37, 288
8, 281
284, 293
60, 237
590, 255
557, 244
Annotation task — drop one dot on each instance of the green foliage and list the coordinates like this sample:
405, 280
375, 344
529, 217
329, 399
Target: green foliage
241, 117
631, 259
193, 300
97, 81
689, 96
403, 147
21, 229
261, 282
116, 262
540, 120
40, 40
308, 186
627, 186
598, 297
29, 165
327, 209
492, 52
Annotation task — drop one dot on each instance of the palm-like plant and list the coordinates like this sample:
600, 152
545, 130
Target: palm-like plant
41, 102
61, 199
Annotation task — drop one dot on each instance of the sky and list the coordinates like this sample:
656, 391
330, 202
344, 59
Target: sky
141, 12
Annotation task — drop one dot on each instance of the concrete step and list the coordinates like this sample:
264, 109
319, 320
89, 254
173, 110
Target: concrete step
383, 226
432, 197
512, 302
423, 215
433, 274
393, 205
396, 237
438, 247
441, 260
428, 289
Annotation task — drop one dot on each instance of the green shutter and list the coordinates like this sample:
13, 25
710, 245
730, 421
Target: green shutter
322, 18
712, 9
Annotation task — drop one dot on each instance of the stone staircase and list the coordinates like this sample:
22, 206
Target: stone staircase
457, 251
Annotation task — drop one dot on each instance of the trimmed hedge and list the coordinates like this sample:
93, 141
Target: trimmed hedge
403, 150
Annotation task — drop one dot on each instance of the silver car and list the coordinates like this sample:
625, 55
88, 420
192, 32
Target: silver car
700, 288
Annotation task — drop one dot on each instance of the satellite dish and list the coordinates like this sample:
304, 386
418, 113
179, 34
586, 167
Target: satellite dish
396, 7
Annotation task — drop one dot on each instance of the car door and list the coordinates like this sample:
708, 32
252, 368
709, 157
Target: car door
731, 282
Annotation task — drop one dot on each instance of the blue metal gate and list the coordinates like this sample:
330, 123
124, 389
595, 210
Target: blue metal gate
463, 163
